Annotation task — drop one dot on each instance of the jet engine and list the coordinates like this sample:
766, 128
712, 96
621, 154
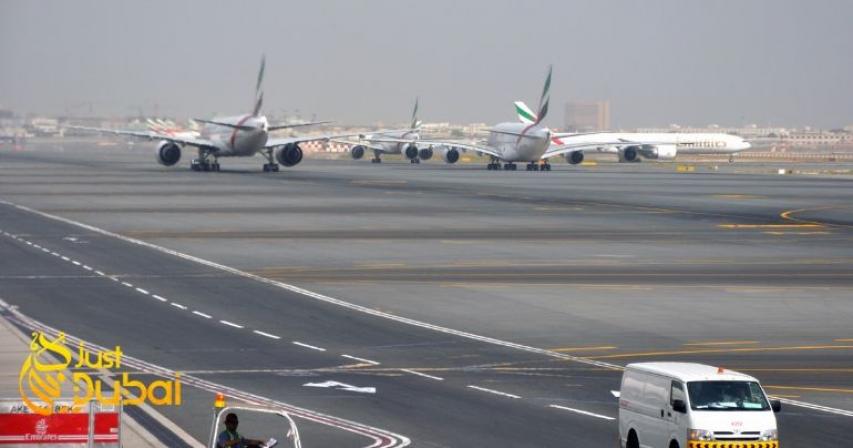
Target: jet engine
630, 154
574, 157
662, 152
425, 153
450, 155
411, 151
357, 152
168, 153
289, 154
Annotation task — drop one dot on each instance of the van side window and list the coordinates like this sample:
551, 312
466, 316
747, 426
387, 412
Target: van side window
676, 393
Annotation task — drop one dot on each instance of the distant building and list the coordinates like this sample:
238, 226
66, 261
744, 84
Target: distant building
587, 116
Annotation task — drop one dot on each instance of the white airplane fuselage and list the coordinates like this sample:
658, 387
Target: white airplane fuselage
231, 142
530, 147
684, 143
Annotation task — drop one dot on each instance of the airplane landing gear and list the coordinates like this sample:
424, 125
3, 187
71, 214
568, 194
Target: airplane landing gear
415, 160
493, 166
271, 166
202, 163
532, 166
376, 160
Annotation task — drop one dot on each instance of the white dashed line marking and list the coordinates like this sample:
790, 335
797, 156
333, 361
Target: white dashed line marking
99, 273
271, 336
86, 267
115, 279
75, 262
312, 347
127, 284
230, 324
582, 412
159, 298
54, 254
178, 305
492, 391
29, 243
140, 290
45, 250
199, 313
415, 372
64, 258
374, 363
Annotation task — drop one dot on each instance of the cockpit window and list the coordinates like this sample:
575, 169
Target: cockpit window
726, 396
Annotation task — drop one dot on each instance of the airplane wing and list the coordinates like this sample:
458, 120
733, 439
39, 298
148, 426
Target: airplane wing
365, 143
277, 127
487, 150
151, 135
558, 149
274, 142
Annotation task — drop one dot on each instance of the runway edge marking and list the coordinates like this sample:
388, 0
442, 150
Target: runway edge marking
364, 309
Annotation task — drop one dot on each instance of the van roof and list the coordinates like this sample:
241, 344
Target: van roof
688, 371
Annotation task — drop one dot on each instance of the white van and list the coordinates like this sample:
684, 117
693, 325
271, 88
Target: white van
686, 405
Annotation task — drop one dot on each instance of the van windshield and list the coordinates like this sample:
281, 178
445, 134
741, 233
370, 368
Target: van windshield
726, 396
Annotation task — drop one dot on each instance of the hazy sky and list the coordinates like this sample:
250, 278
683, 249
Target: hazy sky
775, 62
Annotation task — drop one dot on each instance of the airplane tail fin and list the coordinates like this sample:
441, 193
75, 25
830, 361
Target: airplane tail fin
259, 94
415, 122
545, 98
525, 115
542, 109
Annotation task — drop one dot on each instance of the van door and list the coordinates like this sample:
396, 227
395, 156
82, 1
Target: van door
656, 394
675, 421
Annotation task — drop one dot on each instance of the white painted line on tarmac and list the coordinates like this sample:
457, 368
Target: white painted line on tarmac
262, 333
230, 324
178, 305
127, 284
28, 243
816, 407
312, 347
99, 272
581, 411
159, 298
54, 254
75, 262
199, 313
64, 258
415, 372
140, 290
492, 391
356, 358
87, 267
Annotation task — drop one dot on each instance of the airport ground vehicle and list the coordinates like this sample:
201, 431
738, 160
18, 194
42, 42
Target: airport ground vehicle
687, 405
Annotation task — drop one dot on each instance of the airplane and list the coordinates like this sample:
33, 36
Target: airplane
509, 142
411, 151
635, 146
235, 136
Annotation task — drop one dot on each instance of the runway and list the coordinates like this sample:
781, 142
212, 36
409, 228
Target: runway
485, 308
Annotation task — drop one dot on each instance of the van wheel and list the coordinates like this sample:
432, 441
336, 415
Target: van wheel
632, 440
673, 444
